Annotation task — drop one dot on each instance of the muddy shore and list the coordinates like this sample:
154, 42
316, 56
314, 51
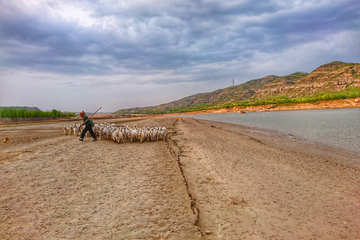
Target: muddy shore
208, 180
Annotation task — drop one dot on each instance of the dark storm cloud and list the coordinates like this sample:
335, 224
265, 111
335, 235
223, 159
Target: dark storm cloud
164, 35
310, 24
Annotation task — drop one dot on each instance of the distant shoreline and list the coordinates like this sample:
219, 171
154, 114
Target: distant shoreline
331, 104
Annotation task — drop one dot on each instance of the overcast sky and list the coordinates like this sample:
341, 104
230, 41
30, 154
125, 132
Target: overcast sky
75, 55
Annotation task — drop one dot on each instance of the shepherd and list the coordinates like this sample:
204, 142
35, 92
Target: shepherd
88, 126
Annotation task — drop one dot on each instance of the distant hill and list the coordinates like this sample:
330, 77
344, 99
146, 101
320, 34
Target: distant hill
334, 77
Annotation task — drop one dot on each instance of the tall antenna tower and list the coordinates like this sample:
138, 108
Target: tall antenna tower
233, 83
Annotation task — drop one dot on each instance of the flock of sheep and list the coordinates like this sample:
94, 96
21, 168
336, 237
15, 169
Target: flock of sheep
120, 133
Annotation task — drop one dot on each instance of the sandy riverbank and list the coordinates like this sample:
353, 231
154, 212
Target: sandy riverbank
209, 180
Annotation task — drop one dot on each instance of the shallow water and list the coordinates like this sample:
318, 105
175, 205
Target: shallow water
339, 128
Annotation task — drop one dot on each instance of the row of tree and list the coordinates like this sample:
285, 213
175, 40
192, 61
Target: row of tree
7, 112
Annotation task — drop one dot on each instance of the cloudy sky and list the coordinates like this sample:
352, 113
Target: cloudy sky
75, 55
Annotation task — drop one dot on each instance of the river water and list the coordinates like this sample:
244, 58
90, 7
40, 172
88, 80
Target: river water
339, 128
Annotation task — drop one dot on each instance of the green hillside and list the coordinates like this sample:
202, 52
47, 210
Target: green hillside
334, 80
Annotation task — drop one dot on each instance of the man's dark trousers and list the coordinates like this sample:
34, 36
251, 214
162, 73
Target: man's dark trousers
88, 128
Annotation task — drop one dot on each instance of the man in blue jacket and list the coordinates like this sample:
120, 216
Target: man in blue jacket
88, 127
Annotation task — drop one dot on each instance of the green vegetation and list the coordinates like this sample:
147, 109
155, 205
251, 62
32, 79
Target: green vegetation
9, 112
299, 74
175, 109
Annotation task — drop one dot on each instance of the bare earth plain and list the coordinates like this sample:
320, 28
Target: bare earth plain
207, 180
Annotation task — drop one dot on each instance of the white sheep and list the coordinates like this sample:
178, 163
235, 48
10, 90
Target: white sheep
133, 135
141, 136
120, 133
65, 128
117, 136
153, 134
161, 135
147, 135
76, 128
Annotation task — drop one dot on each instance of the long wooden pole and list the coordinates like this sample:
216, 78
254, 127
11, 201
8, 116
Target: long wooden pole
95, 112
